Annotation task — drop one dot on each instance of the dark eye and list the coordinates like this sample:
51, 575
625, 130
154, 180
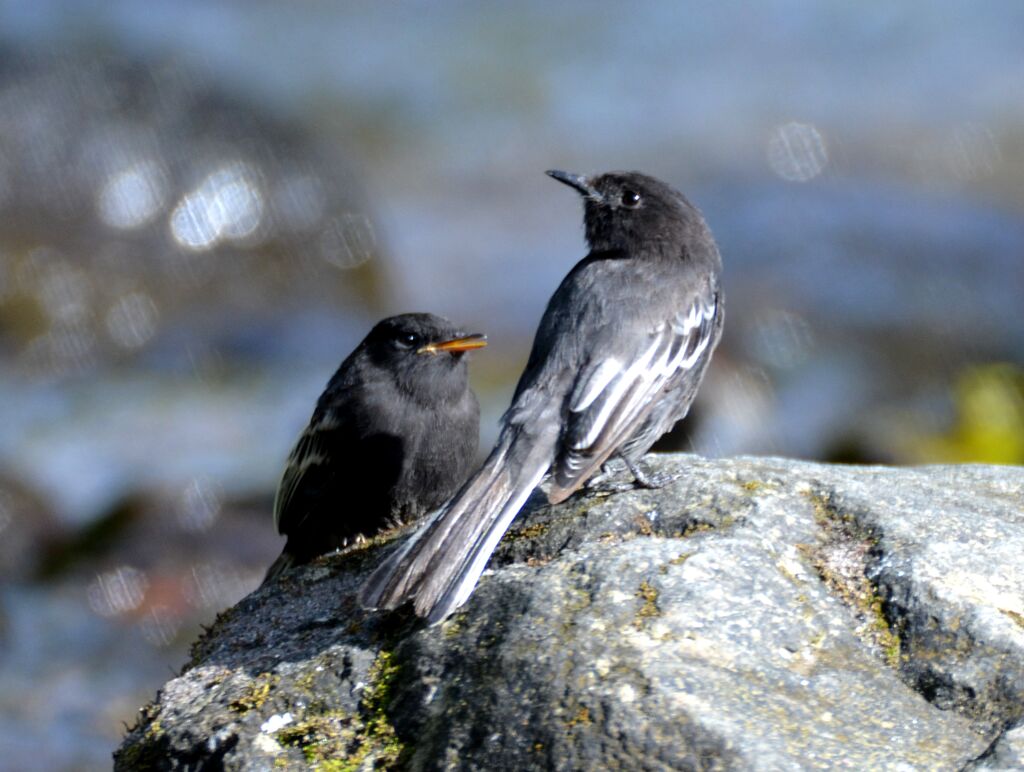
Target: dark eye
409, 340
630, 199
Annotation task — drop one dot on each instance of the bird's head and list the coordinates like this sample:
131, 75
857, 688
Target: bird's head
632, 211
420, 348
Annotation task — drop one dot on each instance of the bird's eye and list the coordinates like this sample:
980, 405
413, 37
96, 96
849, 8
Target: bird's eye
630, 199
409, 340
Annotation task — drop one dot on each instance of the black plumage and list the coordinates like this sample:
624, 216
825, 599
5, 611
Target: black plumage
617, 360
393, 436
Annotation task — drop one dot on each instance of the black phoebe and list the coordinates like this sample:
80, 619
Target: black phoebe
616, 361
392, 437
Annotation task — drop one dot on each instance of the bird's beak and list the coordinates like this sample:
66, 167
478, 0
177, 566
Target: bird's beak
578, 181
456, 345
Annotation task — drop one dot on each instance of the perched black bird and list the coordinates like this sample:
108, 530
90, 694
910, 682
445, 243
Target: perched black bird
392, 437
616, 361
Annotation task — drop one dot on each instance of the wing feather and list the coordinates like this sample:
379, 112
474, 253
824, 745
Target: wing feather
614, 395
305, 474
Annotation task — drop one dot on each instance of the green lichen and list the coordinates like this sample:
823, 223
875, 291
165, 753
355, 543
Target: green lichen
336, 741
306, 681
383, 674
882, 634
147, 751
324, 739
454, 624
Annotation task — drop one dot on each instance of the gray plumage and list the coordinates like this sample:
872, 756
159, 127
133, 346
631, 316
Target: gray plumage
617, 360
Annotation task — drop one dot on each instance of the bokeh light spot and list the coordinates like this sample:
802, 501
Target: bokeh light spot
191, 224
796, 152
226, 205
117, 592
132, 197
238, 204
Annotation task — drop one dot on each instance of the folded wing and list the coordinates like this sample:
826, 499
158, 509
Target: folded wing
612, 396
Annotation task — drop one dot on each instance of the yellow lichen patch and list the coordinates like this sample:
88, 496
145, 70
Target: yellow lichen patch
696, 528
841, 562
527, 532
681, 558
254, 695
678, 560
335, 741
643, 525
453, 625
1015, 616
324, 739
649, 595
582, 717
379, 732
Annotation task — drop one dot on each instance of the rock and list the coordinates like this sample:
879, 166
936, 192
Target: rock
1004, 754
755, 613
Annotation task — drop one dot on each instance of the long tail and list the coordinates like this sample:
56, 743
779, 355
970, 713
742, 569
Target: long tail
440, 564
284, 561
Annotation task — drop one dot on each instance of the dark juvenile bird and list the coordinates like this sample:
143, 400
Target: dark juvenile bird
393, 436
617, 359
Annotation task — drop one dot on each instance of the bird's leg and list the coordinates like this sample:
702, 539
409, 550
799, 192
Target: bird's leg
605, 484
602, 482
644, 479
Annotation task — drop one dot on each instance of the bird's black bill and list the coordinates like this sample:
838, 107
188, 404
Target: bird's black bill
465, 343
577, 181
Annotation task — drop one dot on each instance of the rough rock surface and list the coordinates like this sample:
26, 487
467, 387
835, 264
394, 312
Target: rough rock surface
756, 613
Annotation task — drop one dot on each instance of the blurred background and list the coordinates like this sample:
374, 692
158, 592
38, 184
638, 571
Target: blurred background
205, 205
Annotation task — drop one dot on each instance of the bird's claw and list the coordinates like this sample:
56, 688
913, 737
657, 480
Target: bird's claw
648, 480
604, 484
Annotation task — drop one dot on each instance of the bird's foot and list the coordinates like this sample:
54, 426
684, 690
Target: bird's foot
604, 483
648, 480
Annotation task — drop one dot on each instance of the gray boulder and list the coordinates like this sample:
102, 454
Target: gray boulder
757, 613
